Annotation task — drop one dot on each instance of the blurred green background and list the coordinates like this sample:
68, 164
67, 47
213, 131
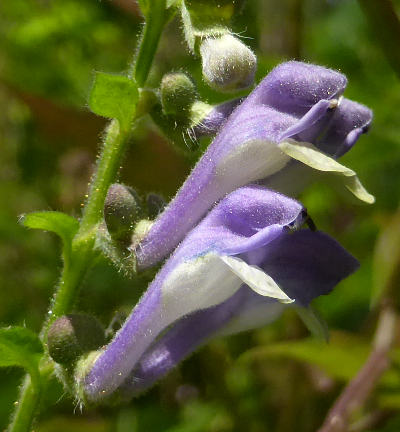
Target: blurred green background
48, 144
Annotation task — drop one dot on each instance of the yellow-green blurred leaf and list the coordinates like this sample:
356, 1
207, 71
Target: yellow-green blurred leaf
386, 262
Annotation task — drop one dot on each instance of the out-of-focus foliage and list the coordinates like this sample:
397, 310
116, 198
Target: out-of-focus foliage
386, 260
49, 50
21, 347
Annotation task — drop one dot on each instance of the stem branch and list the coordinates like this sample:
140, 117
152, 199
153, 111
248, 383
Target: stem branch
155, 21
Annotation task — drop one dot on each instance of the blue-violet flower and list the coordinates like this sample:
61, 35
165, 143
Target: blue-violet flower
246, 253
295, 119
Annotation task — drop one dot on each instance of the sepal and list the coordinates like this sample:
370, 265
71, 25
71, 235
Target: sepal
178, 93
122, 209
83, 366
119, 254
72, 335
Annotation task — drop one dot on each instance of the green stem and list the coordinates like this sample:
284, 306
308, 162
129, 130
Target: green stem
29, 399
25, 407
83, 252
155, 21
71, 279
107, 169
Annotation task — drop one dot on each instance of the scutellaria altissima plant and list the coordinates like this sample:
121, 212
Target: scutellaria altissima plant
235, 246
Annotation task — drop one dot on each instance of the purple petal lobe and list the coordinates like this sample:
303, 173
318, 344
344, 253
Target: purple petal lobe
294, 87
337, 132
305, 264
308, 264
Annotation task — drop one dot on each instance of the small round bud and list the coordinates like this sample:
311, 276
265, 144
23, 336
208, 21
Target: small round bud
73, 335
228, 64
178, 93
121, 211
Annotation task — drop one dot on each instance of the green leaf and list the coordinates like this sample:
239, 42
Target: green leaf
206, 14
206, 19
19, 346
114, 96
60, 223
309, 155
341, 358
386, 259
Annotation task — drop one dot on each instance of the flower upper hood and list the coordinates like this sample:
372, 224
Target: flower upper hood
247, 239
262, 137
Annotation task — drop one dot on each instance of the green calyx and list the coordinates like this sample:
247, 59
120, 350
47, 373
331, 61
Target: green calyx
72, 335
121, 211
178, 93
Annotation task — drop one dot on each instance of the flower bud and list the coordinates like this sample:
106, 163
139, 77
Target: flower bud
121, 211
73, 335
228, 64
178, 93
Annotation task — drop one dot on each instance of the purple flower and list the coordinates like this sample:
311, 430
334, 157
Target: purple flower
214, 119
244, 245
285, 125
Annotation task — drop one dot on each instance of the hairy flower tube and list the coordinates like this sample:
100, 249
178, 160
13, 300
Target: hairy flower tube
245, 239
305, 264
296, 116
214, 119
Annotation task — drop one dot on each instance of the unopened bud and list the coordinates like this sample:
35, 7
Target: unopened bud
178, 93
73, 335
121, 211
228, 64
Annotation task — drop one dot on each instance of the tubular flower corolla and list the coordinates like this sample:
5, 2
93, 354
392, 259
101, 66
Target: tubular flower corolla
249, 253
296, 119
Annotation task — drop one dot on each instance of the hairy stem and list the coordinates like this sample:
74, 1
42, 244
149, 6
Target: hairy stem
25, 407
83, 252
155, 21
29, 399
106, 172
